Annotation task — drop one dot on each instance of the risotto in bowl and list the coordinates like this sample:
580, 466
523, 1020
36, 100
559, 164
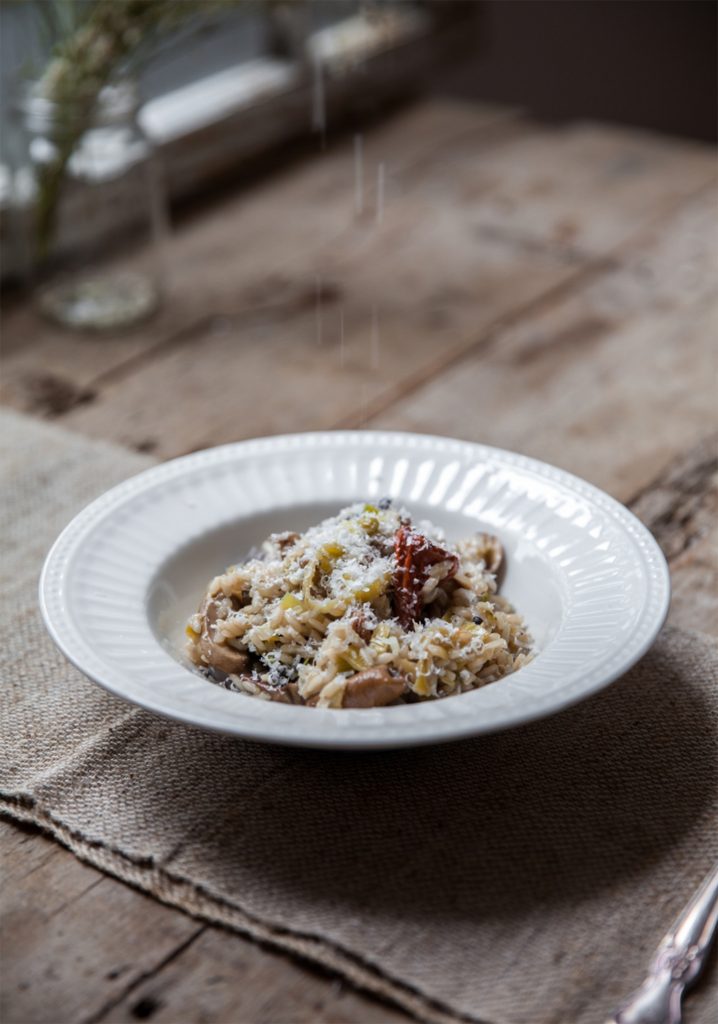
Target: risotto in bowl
365, 609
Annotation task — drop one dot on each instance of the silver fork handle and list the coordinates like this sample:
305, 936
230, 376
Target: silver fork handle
678, 961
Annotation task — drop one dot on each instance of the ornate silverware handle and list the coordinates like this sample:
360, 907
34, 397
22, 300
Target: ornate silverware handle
678, 961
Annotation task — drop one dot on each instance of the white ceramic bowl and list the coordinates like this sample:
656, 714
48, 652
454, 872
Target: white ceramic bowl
122, 578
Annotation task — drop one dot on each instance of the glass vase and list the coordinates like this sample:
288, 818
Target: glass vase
85, 190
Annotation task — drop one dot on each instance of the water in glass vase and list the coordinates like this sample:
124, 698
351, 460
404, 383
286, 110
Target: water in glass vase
90, 189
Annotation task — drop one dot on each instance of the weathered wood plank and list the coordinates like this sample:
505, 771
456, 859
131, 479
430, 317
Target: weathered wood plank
228, 259
20, 854
681, 510
694, 579
427, 266
73, 938
611, 383
221, 264
222, 978
399, 311
583, 188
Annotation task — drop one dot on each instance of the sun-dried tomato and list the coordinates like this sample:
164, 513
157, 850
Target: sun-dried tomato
414, 555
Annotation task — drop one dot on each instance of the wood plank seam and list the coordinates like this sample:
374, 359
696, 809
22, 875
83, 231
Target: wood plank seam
678, 505
491, 130
363, 976
107, 1007
194, 330
74, 899
36, 867
462, 351
541, 303
148, 355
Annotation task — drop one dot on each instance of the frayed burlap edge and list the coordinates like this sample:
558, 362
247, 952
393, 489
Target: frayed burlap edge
175, 891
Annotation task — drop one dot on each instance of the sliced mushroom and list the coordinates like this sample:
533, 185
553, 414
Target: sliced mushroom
373, 688
360, 627
288, 693
490, 548
294, 694
209, 610
221, 657
218, 655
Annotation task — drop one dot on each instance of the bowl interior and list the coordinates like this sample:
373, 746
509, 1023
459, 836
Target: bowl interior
532, 581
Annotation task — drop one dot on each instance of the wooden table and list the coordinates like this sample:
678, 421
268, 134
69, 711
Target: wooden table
549, 290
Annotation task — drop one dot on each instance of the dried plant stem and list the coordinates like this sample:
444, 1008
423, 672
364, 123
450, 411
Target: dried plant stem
108, 34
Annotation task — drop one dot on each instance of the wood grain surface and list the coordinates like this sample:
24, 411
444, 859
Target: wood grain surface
549, 290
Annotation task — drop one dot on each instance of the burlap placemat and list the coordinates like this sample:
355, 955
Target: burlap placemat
522, 878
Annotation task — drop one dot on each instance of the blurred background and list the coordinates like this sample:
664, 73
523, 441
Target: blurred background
630, 61
343, 197
218, 83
